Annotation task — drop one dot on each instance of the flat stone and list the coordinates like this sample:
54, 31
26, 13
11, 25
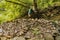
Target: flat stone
36, 39
9, 39
3, 38
18, 38
58, 38
48, 36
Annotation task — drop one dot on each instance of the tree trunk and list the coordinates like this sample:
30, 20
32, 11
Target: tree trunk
35, 6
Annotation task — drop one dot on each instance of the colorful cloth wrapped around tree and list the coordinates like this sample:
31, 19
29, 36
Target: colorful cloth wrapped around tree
30, 11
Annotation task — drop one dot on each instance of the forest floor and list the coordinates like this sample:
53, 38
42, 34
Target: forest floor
45, 28
30, 29
50, 13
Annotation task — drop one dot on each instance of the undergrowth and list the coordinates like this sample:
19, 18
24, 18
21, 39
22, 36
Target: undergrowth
10, 11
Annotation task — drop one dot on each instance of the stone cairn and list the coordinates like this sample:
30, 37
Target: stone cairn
28, 29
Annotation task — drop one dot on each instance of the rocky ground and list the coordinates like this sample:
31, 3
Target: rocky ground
29, 29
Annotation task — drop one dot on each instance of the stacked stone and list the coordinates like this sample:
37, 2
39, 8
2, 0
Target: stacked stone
28, 29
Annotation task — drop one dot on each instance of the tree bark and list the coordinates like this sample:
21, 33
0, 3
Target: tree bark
35, 5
